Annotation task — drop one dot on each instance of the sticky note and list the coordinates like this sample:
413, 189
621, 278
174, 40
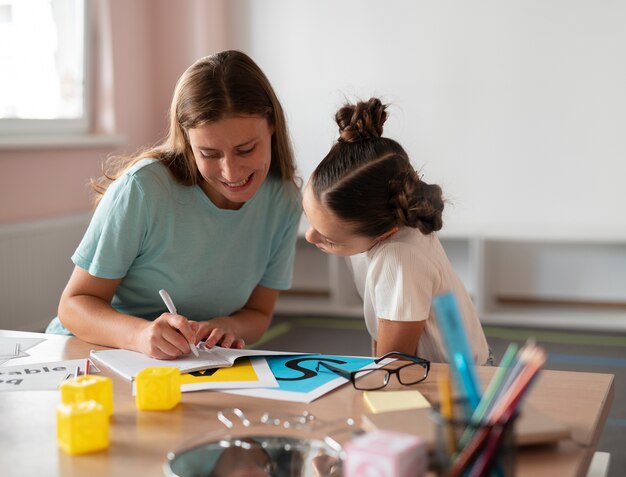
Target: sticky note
383, 401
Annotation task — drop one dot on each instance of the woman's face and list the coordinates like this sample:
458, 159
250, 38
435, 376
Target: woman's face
330, 234
233, 156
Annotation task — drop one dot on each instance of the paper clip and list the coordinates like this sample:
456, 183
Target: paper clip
237, 412
306, 419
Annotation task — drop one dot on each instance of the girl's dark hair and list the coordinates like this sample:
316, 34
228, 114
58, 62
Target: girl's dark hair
368, 180
225, 84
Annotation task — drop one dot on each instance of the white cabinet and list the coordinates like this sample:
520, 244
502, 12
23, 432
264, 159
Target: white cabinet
322, 285
555, 282
548, 281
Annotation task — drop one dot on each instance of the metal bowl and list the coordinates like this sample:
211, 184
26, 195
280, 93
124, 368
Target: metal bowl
258, 450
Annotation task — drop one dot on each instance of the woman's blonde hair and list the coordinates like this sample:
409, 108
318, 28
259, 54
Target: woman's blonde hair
222, 85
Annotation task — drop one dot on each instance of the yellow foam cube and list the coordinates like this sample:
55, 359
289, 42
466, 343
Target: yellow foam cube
157, 389
82, 427
86, 388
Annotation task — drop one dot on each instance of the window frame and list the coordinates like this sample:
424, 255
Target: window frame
60, 127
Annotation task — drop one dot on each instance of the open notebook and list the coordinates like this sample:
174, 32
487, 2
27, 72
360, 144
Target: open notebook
128, 363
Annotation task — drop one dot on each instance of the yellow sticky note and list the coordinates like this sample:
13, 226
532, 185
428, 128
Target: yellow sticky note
383, 401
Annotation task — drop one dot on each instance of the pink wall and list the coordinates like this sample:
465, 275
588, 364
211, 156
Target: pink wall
153, 41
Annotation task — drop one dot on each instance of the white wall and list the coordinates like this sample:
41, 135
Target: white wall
34, 268
517, 108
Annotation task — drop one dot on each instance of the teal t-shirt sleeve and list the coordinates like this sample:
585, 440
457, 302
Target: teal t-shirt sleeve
115, 235
279, 273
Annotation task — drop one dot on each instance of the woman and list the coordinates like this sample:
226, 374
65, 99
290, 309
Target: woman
211, 215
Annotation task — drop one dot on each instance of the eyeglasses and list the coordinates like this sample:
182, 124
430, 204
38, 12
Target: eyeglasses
372, 379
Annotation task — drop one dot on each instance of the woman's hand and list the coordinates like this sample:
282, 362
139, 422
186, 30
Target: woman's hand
247, 324
167, 337
216, 332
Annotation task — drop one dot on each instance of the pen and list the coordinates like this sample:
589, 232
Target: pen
87, 366
447, 412
172, 309
459, 351
77, 372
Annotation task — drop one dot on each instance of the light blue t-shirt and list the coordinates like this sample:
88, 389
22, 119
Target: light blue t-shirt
155, 233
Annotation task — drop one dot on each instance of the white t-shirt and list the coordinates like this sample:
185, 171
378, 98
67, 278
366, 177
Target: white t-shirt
398, 279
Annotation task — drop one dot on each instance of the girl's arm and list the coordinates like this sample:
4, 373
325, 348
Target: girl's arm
244, 326
401, 336
85, 309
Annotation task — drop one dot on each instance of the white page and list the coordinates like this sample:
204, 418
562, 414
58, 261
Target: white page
9, 350
128, 363
301, 396
8, 347
38, 376
290, 396
262, 370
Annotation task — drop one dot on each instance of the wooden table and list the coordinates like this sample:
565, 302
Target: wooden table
140, 440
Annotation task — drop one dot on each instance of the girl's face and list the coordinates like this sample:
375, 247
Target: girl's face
330, 234
233, 156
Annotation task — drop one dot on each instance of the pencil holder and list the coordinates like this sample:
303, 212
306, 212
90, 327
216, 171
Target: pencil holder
82, 427
86, 388
464, 448
157, 389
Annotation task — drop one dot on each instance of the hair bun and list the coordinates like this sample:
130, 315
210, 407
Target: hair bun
360, 121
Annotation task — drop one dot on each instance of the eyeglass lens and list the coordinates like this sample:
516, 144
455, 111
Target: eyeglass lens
378, 378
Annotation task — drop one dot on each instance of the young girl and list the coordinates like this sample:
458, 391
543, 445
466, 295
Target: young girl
211, 215
366, 202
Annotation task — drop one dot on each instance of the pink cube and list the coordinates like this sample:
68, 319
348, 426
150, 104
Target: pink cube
385, 454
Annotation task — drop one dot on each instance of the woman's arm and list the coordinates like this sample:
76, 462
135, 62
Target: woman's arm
244, 326
85, 309
401, 336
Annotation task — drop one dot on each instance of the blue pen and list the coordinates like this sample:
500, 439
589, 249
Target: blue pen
459, 351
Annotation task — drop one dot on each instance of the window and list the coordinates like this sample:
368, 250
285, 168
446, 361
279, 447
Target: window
43, 87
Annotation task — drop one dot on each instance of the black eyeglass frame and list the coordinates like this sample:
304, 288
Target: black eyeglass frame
350, 375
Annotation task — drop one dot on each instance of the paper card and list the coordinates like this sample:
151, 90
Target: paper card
39, 376
9, 350
245, 373
298, 380
16, 347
